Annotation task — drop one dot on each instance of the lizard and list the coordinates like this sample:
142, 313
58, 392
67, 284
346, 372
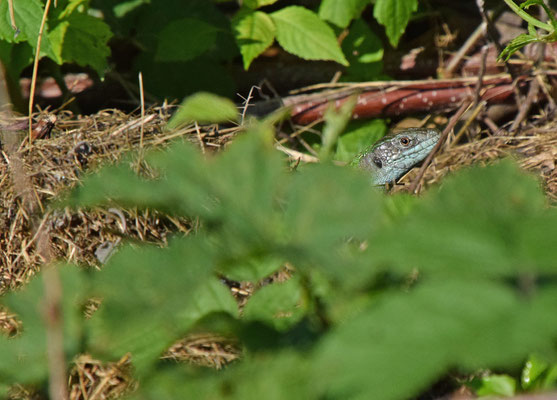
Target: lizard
392, 156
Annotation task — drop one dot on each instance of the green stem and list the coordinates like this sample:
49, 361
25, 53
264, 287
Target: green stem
527, 17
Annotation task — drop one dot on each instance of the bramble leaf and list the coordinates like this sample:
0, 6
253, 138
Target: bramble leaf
258, 3
341, 12
413, 338
494, 385
141, 318
394, 15
364, 51
304, 34
24, 357
82, 39
28, 15
358, 137
255, 32
204, 108
185, 39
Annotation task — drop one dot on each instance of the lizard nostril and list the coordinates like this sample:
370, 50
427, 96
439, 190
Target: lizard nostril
405, 141
378, 162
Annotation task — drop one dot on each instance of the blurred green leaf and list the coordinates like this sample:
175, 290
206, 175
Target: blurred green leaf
322, 214
538, 374
358, 136
550, 380
15, 57
494, 385
335, 122
399, 205
304, 34
394, 15
364, 51
341, 12
140, 317
279, 305
170, 79
533, 369
485, 236
204, 108
252, 268
125, 7
198, 37
413, 338
258, 3
282, 375
164, 79
254, 32
82, 39
212, 297
470, 223
24, 357
120, 184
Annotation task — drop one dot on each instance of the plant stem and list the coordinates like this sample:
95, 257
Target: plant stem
527, 17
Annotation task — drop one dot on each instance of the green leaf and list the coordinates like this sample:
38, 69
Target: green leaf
516, 44
126, 7
482, 222
399, 205
550, 379
276, 376
529, 3
24, 357
82, 39
323, 213
358, 137
533, 369
28, 16
280, 305
547, 10
364, 50
413, 338
204, 108
394, 15
254, 33
247, 180
185, 39
253, 268
162, 79
120, 184
304, 34
494, 385
257, 3
67, 7
141, 319
210, 76
211, 297
15, 57
335, 122
341, 12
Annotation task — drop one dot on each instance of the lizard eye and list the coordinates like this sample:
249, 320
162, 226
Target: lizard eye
378, 163
405, 140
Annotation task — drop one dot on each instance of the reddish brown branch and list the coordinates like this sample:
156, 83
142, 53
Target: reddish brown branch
389, 99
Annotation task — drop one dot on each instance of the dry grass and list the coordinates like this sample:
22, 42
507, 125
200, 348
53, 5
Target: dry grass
55, 164
535, 149
83, 143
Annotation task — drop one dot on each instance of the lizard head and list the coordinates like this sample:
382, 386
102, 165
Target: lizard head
393, 155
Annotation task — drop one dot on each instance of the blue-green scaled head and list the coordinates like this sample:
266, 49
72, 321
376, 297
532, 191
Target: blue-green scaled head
393, 155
